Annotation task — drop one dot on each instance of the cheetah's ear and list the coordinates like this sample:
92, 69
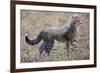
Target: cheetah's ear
75, 16
72, 16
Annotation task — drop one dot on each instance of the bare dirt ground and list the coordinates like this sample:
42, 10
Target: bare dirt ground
32, 22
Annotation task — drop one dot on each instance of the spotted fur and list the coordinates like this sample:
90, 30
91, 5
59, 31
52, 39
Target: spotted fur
65, 34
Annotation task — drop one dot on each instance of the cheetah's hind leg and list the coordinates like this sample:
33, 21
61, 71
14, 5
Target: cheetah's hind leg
41, 49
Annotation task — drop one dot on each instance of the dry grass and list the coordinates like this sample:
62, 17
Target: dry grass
32, 22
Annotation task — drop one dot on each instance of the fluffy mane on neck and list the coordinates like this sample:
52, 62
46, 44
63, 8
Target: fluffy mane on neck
67, 24
71, 27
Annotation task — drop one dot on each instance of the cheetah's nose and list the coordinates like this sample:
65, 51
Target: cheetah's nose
79, 21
